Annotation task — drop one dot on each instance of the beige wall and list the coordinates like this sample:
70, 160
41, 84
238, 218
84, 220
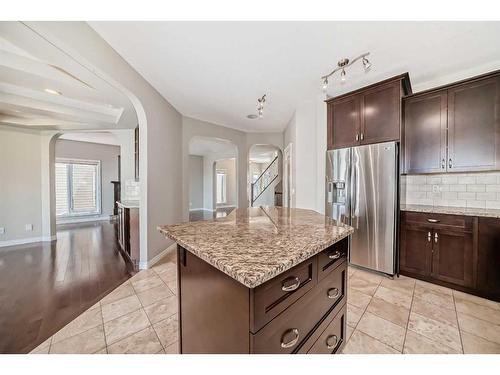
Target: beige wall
196, 186
229, 166
106, 154
20, 185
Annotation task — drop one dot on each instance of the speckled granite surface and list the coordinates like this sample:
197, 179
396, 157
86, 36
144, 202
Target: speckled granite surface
253, 245
483, 212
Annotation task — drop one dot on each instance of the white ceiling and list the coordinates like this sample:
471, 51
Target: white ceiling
215, 71
29, 64
105, 138
208, 146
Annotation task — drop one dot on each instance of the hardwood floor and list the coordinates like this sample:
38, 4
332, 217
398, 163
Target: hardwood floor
44, 286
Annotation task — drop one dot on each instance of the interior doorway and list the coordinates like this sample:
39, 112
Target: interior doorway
265, 186
287, 177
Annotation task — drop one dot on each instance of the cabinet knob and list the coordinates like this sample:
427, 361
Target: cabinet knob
357, 137
436, 237
333, 293
362, 136
429, 235
290, 284
450, 164
443, 164
294, 332
335, 255
331, 341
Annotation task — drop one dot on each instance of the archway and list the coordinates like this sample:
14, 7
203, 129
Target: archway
265, 175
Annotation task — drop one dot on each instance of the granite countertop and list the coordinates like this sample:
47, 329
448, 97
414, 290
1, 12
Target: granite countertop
253, 245
483, 212
128, 204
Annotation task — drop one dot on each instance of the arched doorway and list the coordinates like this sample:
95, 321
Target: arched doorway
265, 175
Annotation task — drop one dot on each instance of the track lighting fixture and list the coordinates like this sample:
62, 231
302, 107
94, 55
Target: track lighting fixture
260, 108
342, 65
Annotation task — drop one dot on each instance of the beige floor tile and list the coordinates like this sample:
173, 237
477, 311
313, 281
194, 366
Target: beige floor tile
167, 330
433, 296
142, 342
402, 284
43, 348
362, 285
349, 332
153, 295
478, 327
353, 315
360, 343
172, 285
95, 306
393, 296
393, 313
87, 342
162, 309
434, 312
460, 296
147, 283
143, 274
358, 299
434, 287
478, 311
122, 291
374, 278
84, 322
384, 331
121, 307
167, 271
126, 325
350, 271
443, 333
477, 345
172, 348
102, 351
418, 344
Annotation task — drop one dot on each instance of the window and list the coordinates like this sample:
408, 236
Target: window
221, 187
78, 188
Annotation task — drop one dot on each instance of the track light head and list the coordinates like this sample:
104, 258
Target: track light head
366, 64
342, 75
325, 84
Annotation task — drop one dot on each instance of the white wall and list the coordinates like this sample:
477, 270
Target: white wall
196, 186
229, 166
159, 122
126, 138
106, 154
20, 185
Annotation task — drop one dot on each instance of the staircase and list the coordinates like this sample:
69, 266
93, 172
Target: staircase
264, 181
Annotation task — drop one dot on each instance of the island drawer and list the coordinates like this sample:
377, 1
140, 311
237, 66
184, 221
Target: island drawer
332, 339
331, 257
290, 329
271, 298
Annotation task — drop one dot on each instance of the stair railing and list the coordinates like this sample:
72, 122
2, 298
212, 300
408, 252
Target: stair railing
265, 179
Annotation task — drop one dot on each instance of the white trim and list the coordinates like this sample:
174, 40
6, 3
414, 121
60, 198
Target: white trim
201, 209
23, 241
83, 219
156, 259
225, 206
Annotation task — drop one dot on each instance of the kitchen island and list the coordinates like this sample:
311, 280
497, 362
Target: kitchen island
262, 280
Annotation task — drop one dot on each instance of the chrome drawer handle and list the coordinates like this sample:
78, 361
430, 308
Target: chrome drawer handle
333, 293
335, 255
290, 284
433, 220
293, 341
331, 338
429, 237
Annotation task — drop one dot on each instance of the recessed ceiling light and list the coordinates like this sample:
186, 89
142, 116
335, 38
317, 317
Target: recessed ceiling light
53, 92
252, 117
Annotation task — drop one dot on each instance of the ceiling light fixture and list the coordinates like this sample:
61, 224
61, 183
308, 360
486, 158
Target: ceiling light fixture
342, 65
52, 91
260, 108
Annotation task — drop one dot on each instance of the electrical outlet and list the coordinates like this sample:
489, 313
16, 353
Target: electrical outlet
29, 227
2, 230
436, 189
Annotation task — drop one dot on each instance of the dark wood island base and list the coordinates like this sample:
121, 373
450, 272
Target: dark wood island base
302, 310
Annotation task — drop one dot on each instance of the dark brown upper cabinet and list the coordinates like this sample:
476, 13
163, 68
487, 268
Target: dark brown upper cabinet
368, 115
425, 133
455, 128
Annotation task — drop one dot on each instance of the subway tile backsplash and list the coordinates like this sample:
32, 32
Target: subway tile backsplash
475, 190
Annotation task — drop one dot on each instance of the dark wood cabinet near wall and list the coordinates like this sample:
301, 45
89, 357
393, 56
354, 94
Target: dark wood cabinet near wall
455, 128
460, 252
368, 115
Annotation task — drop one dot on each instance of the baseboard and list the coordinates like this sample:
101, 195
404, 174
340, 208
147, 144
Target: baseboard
229, 206
84, 219
156, 259
201, 209
23, 241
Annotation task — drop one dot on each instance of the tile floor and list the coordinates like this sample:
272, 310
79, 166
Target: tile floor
140, 316
384, 317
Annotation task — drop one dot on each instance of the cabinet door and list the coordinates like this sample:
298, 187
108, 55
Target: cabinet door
425, 133
452, 257
345, 122
473, 126
488, 260
416, 249
381, 113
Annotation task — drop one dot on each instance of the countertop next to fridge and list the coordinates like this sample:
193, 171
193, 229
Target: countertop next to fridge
480, 212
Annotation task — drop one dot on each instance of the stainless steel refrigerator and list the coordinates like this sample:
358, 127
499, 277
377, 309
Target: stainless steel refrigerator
362, 191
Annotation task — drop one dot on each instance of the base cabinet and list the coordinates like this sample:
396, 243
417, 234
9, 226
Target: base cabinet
460, 252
